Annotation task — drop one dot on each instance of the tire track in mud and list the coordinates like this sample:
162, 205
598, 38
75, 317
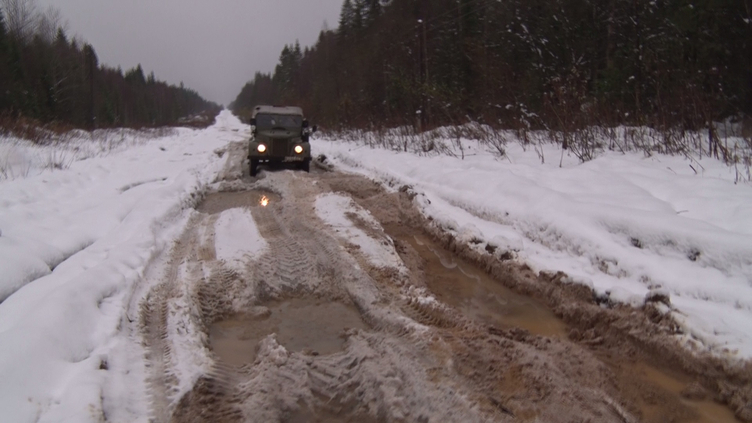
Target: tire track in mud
311, 258
377, 377
288, 262
420, 360
186, 273
605, 343
404, 369
153, 319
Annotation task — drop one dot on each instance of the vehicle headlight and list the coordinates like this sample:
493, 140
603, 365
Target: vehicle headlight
261, 148
298, 149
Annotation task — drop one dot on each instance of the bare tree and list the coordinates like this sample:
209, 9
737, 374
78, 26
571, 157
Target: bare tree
21, 17
49, 23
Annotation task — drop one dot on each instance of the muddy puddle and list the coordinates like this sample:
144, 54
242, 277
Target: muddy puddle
703, 410
220, 201
315, 327
468, 288
333, 412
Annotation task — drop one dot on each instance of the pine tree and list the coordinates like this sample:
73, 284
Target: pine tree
4, 71
3, 33
92, 65
346, 19
61, 39
136, 76
369, 11
559, 64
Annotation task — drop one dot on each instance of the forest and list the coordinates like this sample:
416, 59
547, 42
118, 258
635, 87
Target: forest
515, 64
47, 77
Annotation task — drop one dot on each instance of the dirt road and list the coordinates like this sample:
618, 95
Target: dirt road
384, 318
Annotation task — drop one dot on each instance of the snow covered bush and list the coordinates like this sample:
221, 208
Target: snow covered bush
724, 143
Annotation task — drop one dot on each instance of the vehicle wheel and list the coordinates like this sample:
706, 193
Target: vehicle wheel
254, 167
306, 165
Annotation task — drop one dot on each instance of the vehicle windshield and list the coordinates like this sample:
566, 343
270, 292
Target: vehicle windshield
283, 121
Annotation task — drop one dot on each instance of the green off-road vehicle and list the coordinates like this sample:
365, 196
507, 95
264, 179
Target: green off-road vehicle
279, 135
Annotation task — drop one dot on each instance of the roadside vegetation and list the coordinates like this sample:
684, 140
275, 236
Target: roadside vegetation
49, 151
660, 77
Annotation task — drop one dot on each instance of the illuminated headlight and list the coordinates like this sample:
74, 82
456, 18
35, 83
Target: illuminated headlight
261, 148
298, 149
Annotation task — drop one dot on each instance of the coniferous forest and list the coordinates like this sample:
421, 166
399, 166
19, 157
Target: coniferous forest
47, 76
555, 64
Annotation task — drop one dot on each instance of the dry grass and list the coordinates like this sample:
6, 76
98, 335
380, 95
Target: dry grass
45, 149
730, 145
32, 130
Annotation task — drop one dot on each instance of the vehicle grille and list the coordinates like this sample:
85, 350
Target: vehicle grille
279, 148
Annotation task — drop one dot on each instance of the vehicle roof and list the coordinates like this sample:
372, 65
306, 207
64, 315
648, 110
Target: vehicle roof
278, 110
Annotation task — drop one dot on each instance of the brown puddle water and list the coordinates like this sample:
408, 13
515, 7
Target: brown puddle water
220, 201
300, 324
468, 288
706, 411
465, 286
339, 414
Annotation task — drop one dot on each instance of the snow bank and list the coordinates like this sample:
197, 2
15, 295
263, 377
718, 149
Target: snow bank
74, 243
623, 224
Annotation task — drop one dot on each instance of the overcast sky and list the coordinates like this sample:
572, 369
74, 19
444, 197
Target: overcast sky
213, 46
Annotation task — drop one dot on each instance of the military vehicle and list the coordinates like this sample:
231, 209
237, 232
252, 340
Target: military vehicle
279, 135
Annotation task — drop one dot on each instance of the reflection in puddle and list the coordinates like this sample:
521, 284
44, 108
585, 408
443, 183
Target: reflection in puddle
465, 286
220, 201
300, 324
707, 410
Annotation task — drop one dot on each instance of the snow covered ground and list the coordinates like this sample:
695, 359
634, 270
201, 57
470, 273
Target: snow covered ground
74, 243
624, 224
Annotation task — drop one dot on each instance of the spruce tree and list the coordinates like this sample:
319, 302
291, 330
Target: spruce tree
61, 39
136, 76
369, 11
92, 65
4, 73
346, 19
3, 34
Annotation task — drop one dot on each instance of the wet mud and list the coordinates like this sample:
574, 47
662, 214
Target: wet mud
313, 327
622, 339
700, 407
310, 330
468, 288
218, 202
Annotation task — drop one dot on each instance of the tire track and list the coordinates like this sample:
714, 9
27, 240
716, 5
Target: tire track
185, 282
154, 323
420, 360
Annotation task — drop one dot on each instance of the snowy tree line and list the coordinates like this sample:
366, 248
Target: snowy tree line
560, 65
47, 76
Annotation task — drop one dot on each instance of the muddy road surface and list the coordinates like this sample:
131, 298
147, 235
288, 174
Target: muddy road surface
325, 297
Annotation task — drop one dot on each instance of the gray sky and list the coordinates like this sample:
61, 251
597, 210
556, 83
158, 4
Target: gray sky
213, 46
